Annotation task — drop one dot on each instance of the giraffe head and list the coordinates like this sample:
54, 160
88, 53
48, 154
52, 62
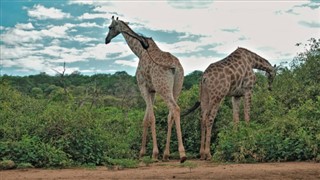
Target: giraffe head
117, 26
114, 30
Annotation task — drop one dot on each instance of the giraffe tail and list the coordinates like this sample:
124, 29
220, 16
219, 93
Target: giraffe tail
195, 106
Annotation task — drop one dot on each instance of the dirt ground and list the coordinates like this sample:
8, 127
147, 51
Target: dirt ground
193, 169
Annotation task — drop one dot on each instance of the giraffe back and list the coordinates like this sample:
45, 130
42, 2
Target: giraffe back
160, 57
158, 68
231, 75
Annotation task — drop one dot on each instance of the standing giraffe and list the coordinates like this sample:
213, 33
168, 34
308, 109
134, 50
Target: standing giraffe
231, 76
159, 72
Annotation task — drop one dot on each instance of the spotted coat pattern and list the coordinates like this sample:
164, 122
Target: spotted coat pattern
157, 72
231, 76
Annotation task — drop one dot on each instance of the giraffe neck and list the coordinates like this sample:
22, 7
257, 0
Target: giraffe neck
136, 43
258, 62
261, 64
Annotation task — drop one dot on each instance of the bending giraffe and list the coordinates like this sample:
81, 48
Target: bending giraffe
231, 76
158, 72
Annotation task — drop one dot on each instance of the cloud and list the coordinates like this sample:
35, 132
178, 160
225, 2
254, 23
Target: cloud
42, 13
14, 36
96, 71
29, 63
27, 26
26, 33
312, 24
193, 63
182, 4
231, 30
133, 63
81, 38
92, 16
82, 2
121, 49
88, 25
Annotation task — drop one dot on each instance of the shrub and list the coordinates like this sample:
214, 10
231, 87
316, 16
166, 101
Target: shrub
32, 150
283, 139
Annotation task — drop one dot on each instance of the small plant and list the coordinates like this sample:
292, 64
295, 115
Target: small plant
121, 163
24, 166
147, 160
89, 166
189, 165
7, 164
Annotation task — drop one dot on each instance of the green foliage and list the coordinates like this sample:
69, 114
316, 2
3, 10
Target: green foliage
122, 163
24, 166
34, 151
192, 79
7, 164
54, 134
283, 140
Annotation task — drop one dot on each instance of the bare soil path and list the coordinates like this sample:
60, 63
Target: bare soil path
193, 169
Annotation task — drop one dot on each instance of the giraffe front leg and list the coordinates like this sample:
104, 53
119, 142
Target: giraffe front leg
155, 151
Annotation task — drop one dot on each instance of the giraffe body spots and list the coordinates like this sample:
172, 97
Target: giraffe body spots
232, 76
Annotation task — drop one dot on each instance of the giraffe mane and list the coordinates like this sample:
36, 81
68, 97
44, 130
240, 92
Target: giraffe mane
137, 34
139, 37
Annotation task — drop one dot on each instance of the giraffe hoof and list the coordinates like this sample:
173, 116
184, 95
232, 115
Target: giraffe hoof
165, 158
155, 160
183, 159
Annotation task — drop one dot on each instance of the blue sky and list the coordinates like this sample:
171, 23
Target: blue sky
39, 36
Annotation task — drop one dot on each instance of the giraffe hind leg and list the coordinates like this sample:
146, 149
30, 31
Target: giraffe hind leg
166, 153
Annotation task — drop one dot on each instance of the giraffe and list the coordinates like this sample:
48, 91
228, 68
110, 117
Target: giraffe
157, 72
232, 76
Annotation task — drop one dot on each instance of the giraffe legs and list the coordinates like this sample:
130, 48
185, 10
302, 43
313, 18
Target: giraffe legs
247, 103
208, 128
167, 150
209, 109
174, 114
204, 97
145, 125
149, 120
203, 134
235, 108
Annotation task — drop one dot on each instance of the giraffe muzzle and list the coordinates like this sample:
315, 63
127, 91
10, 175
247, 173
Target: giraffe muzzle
107, 41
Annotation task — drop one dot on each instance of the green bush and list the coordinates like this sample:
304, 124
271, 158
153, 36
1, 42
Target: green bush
282, 139
33, 150
7, 164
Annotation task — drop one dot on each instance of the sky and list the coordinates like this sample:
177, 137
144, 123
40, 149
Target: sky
39, 36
